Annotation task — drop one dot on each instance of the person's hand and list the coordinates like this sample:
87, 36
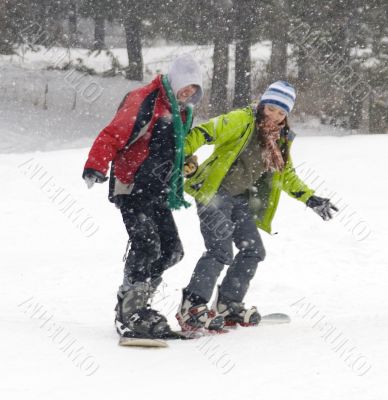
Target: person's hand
323, 207
190, 166
91, 176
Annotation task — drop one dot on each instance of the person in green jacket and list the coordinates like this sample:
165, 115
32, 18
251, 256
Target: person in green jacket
237, 190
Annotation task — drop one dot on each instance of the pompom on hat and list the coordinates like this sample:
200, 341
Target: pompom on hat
280, 94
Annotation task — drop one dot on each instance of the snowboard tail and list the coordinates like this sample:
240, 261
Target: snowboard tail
142, 342
267, 319
275, 318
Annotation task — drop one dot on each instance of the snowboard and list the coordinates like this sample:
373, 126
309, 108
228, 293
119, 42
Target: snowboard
268, 319
275, 319
156, 342
142, 342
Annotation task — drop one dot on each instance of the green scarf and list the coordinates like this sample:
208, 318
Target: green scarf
180, 129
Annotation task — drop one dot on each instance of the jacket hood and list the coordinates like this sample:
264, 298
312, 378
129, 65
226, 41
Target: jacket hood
185, 71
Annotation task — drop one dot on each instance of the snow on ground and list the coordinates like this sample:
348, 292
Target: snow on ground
61, 251
59, 281
54, 109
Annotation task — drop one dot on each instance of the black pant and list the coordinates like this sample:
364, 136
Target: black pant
154, 239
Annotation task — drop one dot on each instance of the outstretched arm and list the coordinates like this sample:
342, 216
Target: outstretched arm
217, 130
297, 189
198, 136
293, 185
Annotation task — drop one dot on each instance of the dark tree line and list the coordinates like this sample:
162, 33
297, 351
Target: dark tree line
339, 47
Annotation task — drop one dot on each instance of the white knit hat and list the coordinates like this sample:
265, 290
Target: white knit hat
280, 94
185, 71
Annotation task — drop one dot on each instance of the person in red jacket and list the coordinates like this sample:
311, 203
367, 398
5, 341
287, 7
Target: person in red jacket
144, 144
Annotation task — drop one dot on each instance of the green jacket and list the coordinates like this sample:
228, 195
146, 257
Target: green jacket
229, 134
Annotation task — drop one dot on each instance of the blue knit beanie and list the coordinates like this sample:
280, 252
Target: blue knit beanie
281, 95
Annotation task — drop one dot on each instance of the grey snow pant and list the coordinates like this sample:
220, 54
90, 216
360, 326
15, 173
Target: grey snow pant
227, 219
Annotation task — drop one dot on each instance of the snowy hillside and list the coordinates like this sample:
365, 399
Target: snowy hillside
61, 264
156, 59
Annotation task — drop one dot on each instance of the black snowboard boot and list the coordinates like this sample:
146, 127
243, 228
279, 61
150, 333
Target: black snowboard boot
234, 312
136, 319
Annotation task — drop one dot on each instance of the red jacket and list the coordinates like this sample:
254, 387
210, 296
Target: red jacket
125, 141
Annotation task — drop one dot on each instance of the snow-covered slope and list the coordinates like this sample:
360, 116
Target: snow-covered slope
61, 264
61, 250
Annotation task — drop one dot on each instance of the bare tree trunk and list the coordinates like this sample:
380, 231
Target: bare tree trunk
352, 104
99, 33
242, 88
73, 37
43, 19
303, 69
378, 115
219, 89
278, 60
5, 35
354, 111
132, 26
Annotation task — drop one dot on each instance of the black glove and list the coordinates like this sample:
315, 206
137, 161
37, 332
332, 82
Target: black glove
91, 176
322, 207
